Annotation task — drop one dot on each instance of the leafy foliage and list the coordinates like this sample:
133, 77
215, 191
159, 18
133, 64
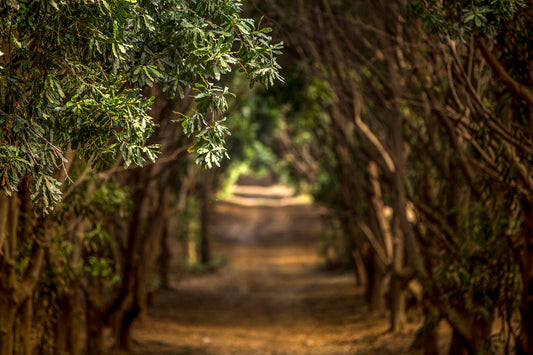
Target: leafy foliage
482, 276
71, 74
462, 18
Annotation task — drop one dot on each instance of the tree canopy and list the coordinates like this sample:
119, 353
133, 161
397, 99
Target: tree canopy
72, 74
87, 89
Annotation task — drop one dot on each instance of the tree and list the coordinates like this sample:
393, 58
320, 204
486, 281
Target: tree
71, 74
491, 111
364, 126
424, 127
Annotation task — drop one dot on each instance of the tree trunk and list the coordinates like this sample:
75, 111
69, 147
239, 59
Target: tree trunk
205, 238
525, 257
125, 324
74, 343
525, 339
397, 296
481, 334
374, 287
431, 346
26, 312
7, 322
458, 346
475, 338
427, 336
399, 223
164, 259
359, 268
65, 326
95, 331
8, 281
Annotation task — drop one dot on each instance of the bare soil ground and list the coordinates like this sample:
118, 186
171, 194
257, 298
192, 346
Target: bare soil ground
272, 297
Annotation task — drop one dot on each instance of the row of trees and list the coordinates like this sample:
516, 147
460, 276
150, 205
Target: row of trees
414, 117
88, 89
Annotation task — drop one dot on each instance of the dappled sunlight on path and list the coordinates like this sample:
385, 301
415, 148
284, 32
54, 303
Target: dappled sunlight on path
271, 297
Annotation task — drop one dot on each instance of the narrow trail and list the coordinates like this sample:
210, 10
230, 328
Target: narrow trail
271, 297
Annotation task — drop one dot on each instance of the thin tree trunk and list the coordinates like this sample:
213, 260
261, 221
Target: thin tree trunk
397, 292
64, 326
8, 282
205, 238
374, 289
481, 334
476, 340
7, 321
164, 259
427, 336
125, 324
95, 331
457, 347
25, 326
360, 268
525, 338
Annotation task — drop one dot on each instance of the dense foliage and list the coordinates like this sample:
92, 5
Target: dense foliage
461, 19
420, 144
71, 74
87, 89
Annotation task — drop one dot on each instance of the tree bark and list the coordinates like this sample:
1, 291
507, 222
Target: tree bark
7, 323
125, 323
95, 330
525, 257
164, 259
397, 289
430, 335
25, 326
525, 339
458, 346
205, 200
9, 287
65, 326
397, 295
359, 267
374, 288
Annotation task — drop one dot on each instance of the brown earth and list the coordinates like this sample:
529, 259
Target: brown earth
272, 297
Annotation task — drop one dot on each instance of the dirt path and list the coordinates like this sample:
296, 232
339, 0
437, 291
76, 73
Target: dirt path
271, 297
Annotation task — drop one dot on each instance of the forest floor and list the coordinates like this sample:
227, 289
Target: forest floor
272, 296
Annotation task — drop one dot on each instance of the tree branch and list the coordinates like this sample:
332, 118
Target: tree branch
516, 87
